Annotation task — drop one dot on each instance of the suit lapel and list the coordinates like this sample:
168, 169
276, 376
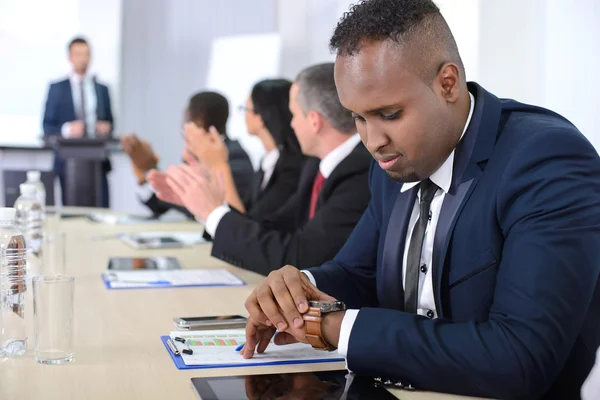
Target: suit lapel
476, 147
258, 178
392, 294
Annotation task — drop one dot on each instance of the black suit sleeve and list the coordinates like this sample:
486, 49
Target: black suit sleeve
265, 246
159, 207
51, 123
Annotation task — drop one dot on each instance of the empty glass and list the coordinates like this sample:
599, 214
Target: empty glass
53, 318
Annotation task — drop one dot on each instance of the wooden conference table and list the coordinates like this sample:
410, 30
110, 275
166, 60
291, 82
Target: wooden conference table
118, 352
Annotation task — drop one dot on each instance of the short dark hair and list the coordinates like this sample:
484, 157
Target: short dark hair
208, 109
77, 40
271, 100
415, 22
317, 91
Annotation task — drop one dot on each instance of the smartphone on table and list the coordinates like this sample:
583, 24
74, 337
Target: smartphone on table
210, 323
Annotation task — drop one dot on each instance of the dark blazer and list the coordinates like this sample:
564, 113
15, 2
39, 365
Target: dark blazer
282, 185
516, 260
288, 237
60, 109
241, 169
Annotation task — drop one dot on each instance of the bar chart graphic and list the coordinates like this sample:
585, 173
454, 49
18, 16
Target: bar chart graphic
200, 340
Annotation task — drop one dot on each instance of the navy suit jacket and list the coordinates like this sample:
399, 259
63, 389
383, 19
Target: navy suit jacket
516, 261
60, 109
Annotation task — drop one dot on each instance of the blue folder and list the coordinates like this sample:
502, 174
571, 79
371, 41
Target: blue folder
178, 360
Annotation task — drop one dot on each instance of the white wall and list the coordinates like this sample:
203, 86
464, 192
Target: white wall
306, 27
33, 49
166, 56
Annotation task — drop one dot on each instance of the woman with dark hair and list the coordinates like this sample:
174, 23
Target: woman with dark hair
267, 117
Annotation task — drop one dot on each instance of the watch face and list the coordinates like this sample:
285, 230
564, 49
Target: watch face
328, 306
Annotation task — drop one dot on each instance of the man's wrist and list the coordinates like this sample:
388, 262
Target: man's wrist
331, 326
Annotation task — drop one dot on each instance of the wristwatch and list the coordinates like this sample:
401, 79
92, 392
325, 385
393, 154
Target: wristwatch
313, 319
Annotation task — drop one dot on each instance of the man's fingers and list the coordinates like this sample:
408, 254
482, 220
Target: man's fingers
179, 176
284, 300
255, 311
175, 186
293, 280
270, 308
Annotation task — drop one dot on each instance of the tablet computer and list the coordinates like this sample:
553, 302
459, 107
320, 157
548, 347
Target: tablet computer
157, 242
142, 263
329, 385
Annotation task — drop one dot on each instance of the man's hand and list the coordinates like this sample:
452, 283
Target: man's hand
103, 128
278, 302
158, 180
200, 191
76, 129
140, 152
208, 147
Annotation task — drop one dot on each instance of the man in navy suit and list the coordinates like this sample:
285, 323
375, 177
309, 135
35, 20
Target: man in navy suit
79, 107
474, 269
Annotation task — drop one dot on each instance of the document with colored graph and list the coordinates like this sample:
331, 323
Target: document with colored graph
217, 349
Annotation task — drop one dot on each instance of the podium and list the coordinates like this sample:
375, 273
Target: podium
84, 159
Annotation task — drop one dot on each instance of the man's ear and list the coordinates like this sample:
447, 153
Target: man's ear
449, 81
315, 120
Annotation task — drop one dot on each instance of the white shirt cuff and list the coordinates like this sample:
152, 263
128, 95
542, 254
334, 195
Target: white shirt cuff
310, 277
591, 388
144, 192
212, 222
65, 130
345, 330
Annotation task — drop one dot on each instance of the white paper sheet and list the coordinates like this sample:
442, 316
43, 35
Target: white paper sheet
223, 351
171, 278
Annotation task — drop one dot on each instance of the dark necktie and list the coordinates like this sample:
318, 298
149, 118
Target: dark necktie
82, 115
316, 189
413, 261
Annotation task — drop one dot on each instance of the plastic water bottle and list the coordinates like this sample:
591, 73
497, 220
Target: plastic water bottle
33, 177
13, 286
29, 217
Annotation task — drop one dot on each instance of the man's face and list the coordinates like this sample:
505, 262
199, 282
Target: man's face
405, 123
79, 57
301, 123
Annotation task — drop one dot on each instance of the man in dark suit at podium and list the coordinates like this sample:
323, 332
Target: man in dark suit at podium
78, 107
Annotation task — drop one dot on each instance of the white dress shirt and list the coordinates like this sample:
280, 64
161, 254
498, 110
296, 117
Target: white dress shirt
91, 99
326, 166
426, 301
268, 166
591, 388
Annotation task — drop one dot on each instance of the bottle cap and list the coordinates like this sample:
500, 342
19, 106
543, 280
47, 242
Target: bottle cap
33, 176
7, 214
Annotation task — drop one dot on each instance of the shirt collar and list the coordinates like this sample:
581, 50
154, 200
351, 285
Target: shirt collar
269, 160
443, 176
337, 155
77, 79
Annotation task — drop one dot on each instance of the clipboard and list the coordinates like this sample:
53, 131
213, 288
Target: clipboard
180, 364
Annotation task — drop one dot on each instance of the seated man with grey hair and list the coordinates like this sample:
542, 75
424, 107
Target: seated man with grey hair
332, 191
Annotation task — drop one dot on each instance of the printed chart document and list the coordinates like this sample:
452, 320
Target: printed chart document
217, 349
170, 278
